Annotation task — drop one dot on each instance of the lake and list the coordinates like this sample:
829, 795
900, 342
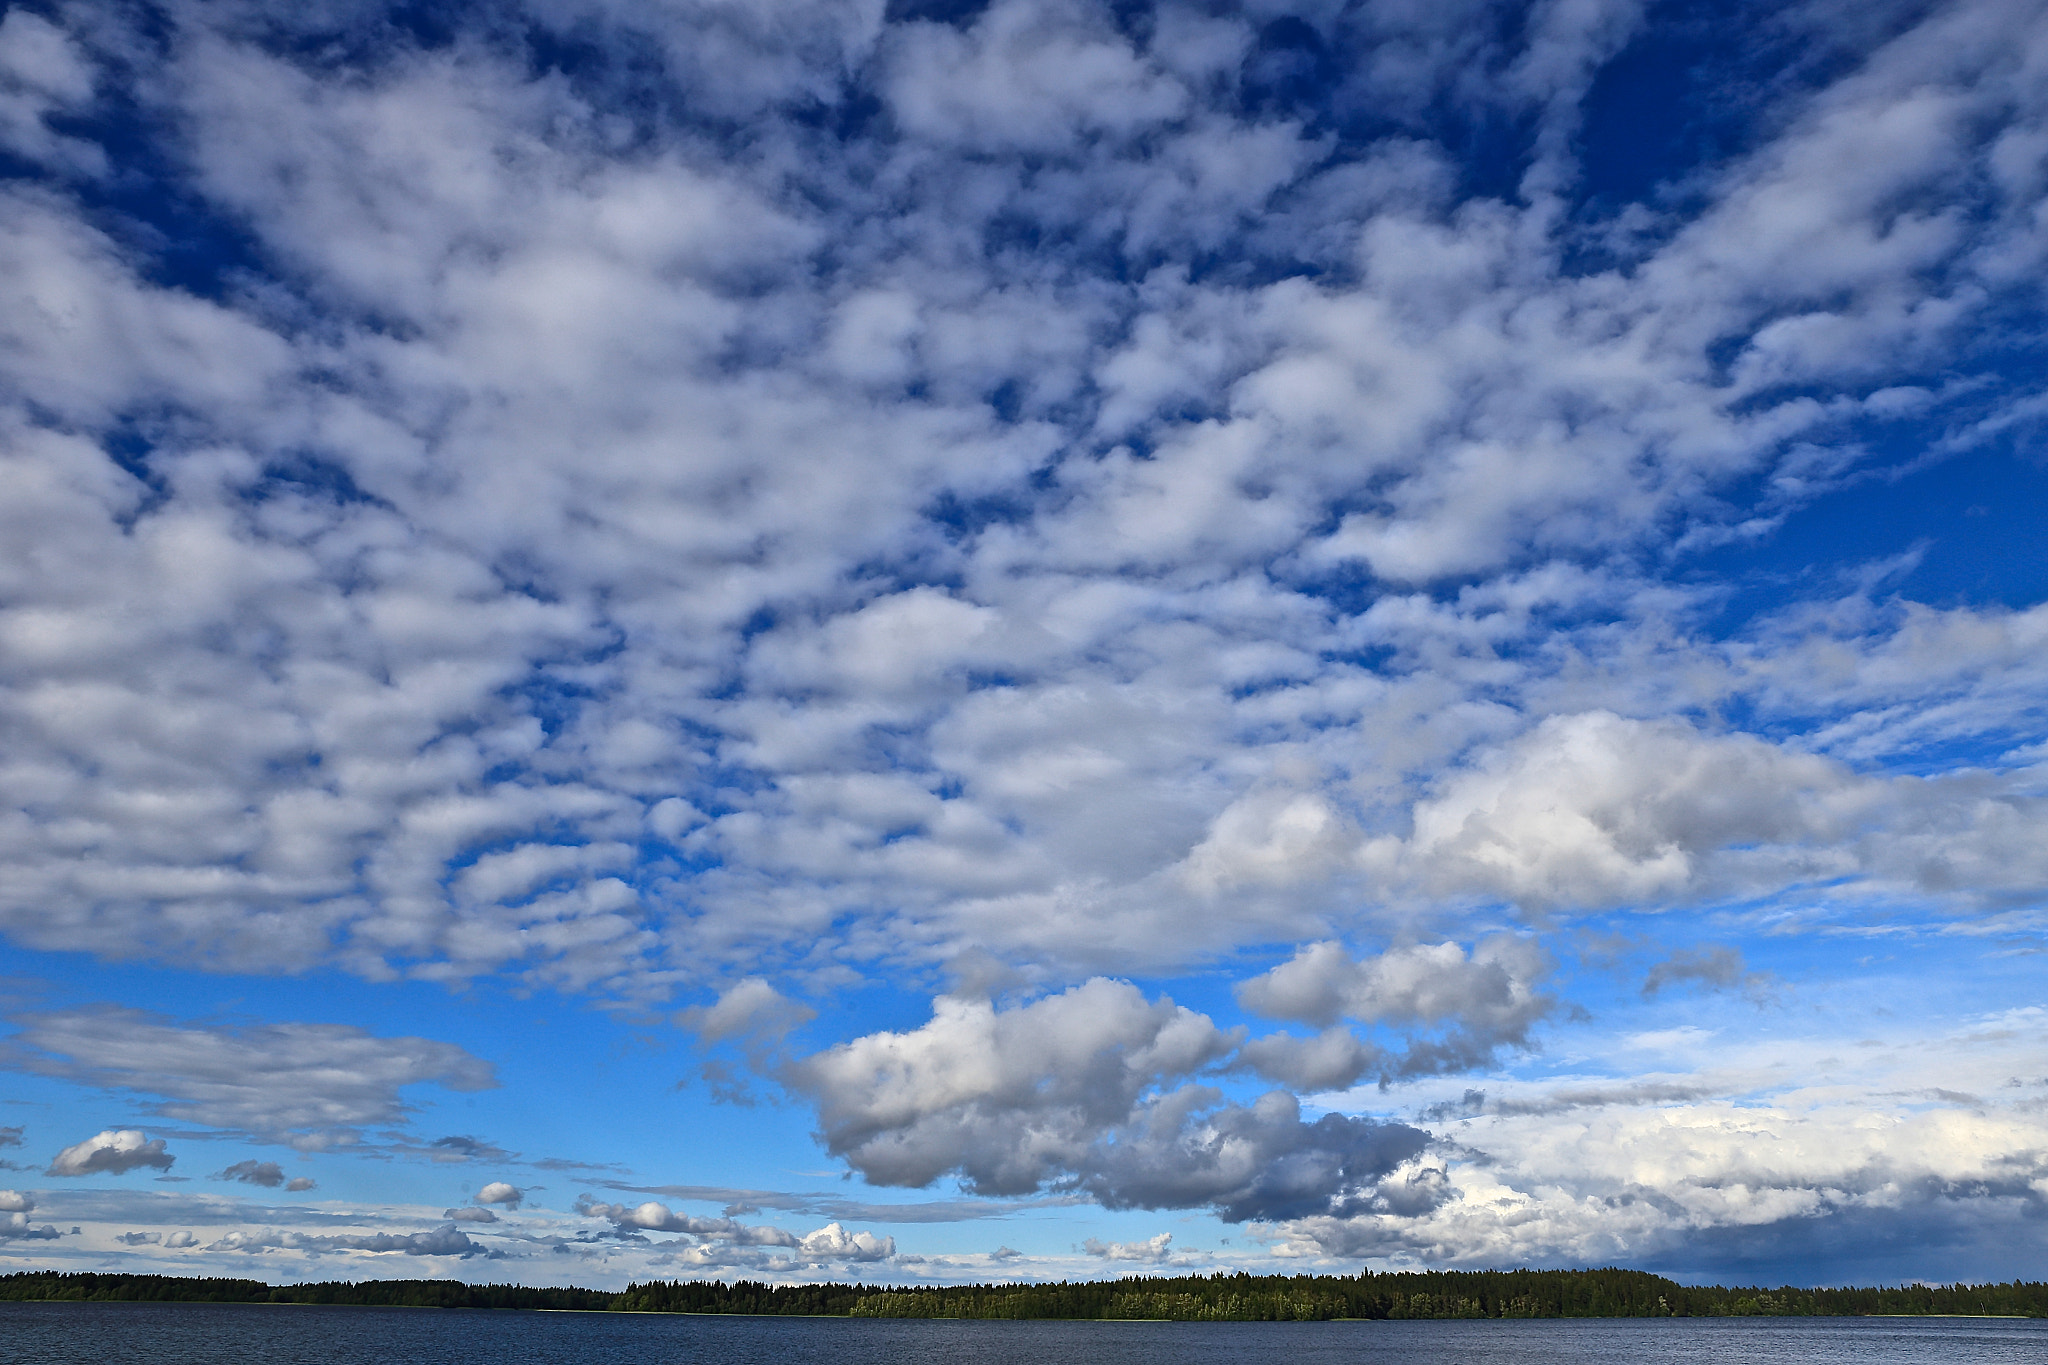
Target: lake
247, 1334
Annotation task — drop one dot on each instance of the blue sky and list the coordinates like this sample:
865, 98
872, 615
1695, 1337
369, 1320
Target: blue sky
946, 642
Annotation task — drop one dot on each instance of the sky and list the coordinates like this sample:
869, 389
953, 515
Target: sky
937, 641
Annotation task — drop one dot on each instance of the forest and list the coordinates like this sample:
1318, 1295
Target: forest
1606, 1293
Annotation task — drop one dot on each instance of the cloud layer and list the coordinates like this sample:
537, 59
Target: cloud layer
310, 1084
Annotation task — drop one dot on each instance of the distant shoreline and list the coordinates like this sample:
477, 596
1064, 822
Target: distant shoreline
1395, 1296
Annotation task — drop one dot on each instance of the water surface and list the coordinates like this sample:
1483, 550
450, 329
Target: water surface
257, 1334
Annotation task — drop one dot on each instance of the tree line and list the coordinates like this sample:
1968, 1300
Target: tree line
1606, 1293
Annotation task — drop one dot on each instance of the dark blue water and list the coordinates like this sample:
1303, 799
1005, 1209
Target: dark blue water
236, 1334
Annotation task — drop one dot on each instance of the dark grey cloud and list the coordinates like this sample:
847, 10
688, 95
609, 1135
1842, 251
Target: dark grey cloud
15, 1227
462, 1147
1715, 966
1474, 1103
268, 1174
1259, 1161
1973, 1229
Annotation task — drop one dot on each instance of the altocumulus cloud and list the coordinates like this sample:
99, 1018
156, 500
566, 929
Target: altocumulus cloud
1072, 667
801, 499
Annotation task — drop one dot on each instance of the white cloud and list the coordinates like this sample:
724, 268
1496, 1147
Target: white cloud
1153, 1249
1026, 77
116, 1151
43, 72
498, 1192
751, 1009
834, 1243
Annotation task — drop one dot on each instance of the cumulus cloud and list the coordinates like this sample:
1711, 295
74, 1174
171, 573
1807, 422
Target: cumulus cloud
1086, 1090
499, 1192
14, 1224
834, 1243
277, 1081
116, 1151
469, 1214
1003, 1097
